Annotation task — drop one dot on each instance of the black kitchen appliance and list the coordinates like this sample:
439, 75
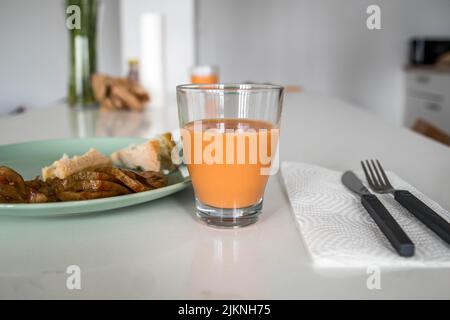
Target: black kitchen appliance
425, 51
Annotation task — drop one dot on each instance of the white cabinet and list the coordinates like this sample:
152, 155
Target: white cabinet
428, 98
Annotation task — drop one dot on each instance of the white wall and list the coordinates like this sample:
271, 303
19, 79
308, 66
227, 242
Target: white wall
34, 50
323, 45
179, 35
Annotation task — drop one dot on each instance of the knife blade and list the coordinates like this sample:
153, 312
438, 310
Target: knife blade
384, 220
352, 182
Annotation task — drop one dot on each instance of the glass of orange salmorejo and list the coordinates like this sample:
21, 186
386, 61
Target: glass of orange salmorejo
230, 140
204, 75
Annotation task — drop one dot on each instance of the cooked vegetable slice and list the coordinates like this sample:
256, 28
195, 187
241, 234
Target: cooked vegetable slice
3, 199
37, 197
13, 177
92, 175
11, 193
154, 180
91, 185
79, 196
131, 183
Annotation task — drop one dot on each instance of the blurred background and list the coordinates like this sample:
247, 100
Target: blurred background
321, 46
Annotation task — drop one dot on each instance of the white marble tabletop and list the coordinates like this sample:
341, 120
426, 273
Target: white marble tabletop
159, 251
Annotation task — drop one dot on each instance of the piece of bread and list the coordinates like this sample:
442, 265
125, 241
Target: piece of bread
118, 93
153, 155
67, 166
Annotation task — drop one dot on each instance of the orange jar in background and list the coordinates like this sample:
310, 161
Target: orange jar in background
204, 75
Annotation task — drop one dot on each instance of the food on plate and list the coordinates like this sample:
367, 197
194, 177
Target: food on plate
153, 155
88, 195
8, 176
124, 178
138, 168
40, 192
91, 185
87, 184
67, 166
153, 179
11, 193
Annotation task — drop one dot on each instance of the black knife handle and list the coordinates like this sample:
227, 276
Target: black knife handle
387, 224
424, 213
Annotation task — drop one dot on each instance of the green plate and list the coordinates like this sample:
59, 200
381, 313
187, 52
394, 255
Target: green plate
28, 159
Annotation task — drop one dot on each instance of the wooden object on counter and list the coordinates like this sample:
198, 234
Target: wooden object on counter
439, 68
119, 93
427, 129
444, 60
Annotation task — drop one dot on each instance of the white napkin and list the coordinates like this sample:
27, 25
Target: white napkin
339, 232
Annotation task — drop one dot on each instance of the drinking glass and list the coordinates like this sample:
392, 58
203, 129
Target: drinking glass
230, 140
204, 75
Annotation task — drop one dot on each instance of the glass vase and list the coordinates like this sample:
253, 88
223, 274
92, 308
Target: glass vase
83, 53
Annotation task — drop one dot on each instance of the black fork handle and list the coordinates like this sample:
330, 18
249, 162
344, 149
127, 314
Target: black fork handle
424, 213
387, 224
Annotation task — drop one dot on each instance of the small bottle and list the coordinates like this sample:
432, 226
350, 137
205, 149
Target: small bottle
133, 73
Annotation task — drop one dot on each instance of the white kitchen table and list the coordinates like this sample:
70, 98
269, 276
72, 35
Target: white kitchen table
159, 251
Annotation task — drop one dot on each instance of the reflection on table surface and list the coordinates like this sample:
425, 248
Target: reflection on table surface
88, 122
61, 121
91, 121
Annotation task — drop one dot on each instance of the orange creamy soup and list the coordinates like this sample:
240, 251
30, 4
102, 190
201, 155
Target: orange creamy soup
229, 160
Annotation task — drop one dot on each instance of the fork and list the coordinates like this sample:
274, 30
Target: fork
379, 182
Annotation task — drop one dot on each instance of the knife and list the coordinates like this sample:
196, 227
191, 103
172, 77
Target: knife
387, 224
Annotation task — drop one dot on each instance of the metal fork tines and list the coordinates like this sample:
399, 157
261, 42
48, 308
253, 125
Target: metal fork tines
378, 181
